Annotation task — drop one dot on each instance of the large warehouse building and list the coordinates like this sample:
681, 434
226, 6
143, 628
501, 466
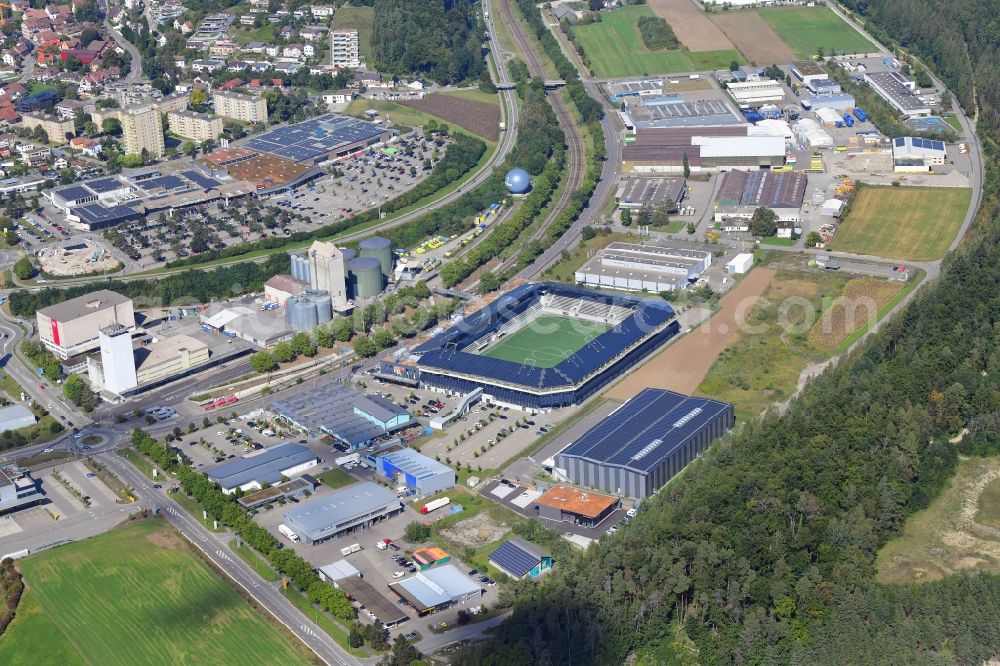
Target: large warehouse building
742, 192
899, 91
915, 155
314, 141
703, 148
589, 339
72, 327
646, 268
644, 443
418, 473
268, 466
348, 510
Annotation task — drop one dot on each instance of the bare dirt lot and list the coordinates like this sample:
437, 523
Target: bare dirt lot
478, 117
754, 37
683, 365
477, 531
691, 26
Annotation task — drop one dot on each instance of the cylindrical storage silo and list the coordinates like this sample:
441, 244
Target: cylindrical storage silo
324, 307
300, 267
349, 256
302, 313
367, 277
379, 248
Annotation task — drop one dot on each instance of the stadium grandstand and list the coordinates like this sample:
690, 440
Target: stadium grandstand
545, 345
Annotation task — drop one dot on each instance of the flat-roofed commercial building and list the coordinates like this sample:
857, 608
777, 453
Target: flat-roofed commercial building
169, 357
580, 507
353, 508
899, 91
72, 327
808, 71
195, 126
269, 466
647, 268
142, 131
638, 193
755, 93
248, 108
424, 476
18, 490
644, 443
436, 589
742, 192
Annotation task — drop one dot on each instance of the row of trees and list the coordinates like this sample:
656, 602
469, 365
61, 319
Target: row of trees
11, 589
225, 509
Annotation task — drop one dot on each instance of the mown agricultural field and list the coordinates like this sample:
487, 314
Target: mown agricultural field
614, 48
137, 595
909, 223
476, 116
856, 307
806, 29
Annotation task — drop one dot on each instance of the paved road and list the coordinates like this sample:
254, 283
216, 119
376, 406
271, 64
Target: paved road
217, 550
469, 632
135, 70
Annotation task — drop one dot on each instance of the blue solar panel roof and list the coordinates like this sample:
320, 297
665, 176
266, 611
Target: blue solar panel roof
515, 556
200, 180
307, 140
164, 182
444, 351
102, 185
96, 213
646, 430
74, 193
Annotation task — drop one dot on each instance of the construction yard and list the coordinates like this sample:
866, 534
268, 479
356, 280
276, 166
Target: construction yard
76, 259
905, 223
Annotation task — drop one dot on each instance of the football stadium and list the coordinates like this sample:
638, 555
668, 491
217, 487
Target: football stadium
545, 345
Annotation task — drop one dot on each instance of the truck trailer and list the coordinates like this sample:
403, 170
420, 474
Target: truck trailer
288, 533
436, 504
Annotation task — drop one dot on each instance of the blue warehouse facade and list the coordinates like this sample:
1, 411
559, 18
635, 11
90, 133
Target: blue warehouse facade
444, 361
422, 475
644, 443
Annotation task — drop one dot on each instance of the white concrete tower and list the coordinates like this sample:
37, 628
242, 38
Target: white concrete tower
117, 359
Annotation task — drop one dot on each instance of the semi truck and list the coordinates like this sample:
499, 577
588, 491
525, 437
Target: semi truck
434, 505
288, 533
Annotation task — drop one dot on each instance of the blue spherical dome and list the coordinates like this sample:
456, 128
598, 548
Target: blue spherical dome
518, 181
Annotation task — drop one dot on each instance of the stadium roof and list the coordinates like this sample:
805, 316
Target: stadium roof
650, 427
342, 506
585, 503
309, 139
266, 466
517, 556
444, 351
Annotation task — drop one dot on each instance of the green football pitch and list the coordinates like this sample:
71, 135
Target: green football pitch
547, 341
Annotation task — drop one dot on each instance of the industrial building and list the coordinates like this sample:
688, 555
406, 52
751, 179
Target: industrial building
73, 327
344, 52
353, 508
283, 460
308, 310
756, 93
437, 589
520, 559
618, 91
899, 91
674, 112
18, 490
808, 71
643, 268
457, 359
196, 126
810, 134
121, 369
352, 418
324, 268
916, 155
644, 443
280, 288
419, 474
704, 149
142, 132
743, 192
261, 328
652, 193
338, 570
365, 595
282, 492
239, 106
842, 102
580, 507
16, 417
740, 264
317, 140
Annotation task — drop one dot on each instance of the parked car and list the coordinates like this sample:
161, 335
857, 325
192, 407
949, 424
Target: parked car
474, 572
398, 574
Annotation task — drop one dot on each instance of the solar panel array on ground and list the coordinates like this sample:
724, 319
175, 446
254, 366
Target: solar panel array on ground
444, 351
307, 140
646, 430
200, 180
513, 559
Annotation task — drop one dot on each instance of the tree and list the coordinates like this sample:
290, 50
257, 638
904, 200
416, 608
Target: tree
283, 352
383, 338
687, 166
354, 639
813, 239
303, 345
596, 5
587, 233
77, 392
416, 532
262, 362
645, 216
691, 228
734, 65
111, 126
626, 217
24, 269
189, 148
661, 217
764, 222
364, 347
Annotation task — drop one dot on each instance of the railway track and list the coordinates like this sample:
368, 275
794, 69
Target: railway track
576, 165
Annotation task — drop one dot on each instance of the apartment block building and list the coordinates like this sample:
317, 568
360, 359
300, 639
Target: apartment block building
248, 108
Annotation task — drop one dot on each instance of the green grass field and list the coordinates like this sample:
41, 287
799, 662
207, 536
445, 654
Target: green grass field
362, 18
615, 49
913, 223
804, 29
137, 595
546, 341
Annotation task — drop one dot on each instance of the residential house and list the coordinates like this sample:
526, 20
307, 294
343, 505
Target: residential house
308, 50
340, 97
322, 11
86, 146
248, 19
312, 33
292, 51
254, 47
271, 50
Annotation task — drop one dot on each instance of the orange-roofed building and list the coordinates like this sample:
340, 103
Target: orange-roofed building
581, 507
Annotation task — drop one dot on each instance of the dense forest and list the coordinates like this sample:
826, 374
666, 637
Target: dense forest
763, 551
439, 39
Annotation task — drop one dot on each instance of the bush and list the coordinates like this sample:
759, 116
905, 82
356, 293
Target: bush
417, 532
657, 34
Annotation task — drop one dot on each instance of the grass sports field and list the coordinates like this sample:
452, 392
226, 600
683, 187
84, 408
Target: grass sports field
804, 29
913, 223
547, 341
615, 49
137, 595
